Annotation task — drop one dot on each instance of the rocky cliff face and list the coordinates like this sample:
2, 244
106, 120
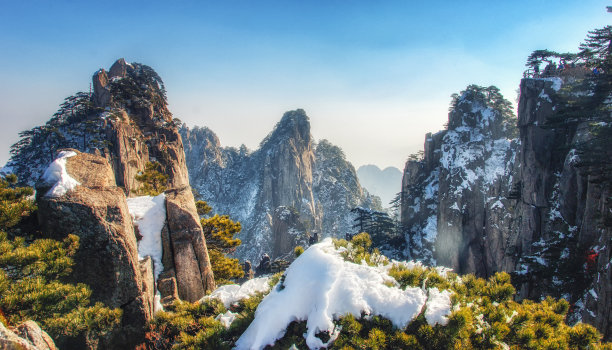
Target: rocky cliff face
563, 213
482, 201
453, 204
282, 192
123, 125
107, 259
26, 336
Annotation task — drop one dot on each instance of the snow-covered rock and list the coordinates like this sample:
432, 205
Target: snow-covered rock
320, 286
149, 215
232, 293
57, 176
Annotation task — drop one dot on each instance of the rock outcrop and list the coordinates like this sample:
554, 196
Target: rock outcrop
26, 336
119, 128
453, 201
107, 258
287, 174
564, 212
480, 202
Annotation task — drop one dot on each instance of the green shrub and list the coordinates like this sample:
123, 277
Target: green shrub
153, 181
298, 251
484, 316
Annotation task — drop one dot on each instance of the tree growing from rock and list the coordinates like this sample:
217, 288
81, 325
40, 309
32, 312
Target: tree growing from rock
153, 180
219, 231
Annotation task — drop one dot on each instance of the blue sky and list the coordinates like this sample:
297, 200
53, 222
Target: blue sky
374, 76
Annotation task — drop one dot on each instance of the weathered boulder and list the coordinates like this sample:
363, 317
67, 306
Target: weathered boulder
26, 336
107, 258
31, 331
191, 263
168, 289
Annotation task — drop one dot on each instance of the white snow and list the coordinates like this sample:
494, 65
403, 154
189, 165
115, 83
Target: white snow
149, 214
556, 82
232, 293
430, 231
543, 95
497, 204
226, 319
320, 286
438, 307
57, 176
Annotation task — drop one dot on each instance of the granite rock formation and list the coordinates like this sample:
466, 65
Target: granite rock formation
482, 200
289, 173
107, 258
119, 128
26, 336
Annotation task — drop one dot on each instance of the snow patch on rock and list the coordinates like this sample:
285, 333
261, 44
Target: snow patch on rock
232, 293
149, 214
57, 176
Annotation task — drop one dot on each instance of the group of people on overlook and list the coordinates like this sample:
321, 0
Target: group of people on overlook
564, 68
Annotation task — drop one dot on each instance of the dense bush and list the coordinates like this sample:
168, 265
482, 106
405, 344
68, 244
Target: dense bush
152, 179
484, 316
187, 325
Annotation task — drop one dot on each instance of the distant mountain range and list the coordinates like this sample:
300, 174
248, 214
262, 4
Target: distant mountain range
382, 183
282, 192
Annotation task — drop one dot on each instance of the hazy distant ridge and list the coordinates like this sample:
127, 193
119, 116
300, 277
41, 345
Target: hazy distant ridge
382, 183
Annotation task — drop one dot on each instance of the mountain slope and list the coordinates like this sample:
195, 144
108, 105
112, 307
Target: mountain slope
454, 208
283, 192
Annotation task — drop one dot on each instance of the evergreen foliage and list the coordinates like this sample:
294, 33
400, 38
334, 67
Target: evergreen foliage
75, 125
141, 85
152, 179
298, 251
484, 316
359, 250
187, 325
219, 231
382, 228
32, 273
490, 97
13, 202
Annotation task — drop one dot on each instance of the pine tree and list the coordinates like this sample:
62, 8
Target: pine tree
31, 273
381, 228
219, 232
363, 219
152, 179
